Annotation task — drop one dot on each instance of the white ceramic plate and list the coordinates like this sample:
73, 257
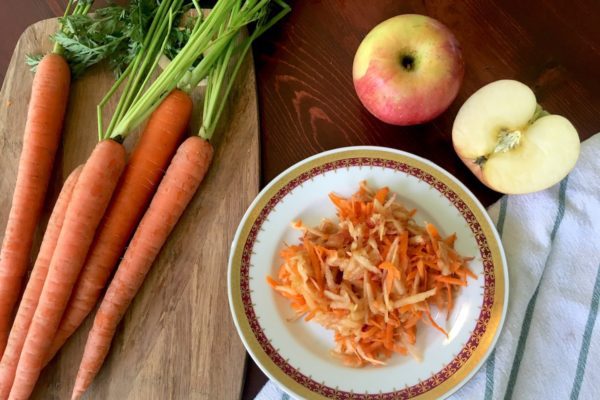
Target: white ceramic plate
296, 354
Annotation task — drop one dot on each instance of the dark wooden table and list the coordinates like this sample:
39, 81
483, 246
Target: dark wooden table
304, 66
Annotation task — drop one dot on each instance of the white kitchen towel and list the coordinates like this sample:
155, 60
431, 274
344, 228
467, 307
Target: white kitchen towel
549, 347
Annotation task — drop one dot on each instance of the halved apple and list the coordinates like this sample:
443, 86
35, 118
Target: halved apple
510, 143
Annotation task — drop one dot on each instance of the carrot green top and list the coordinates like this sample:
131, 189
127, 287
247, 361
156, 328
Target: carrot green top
81, 8
220, 81
65, 32
207, 53
140, 69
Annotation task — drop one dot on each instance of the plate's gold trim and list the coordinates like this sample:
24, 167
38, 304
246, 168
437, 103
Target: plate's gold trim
468, 366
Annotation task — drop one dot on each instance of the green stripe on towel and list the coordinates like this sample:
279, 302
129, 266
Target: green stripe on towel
585, 344
531, 305
502, 215
491, 361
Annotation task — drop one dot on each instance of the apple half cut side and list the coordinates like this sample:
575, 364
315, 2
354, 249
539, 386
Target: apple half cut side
510, 143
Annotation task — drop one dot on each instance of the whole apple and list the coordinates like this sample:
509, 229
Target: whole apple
408, 69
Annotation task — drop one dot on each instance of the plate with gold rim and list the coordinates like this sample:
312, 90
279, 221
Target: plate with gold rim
296, 354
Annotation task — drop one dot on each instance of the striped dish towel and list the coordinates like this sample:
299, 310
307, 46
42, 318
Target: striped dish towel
549, 347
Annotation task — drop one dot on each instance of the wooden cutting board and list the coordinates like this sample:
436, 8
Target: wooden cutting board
177, 341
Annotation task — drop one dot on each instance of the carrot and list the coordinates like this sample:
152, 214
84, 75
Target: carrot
310, 315
386, 248
315, 263
89, 200
189, 165
395, 297
468, 272
388, 337
403, 249
340, 204
450, 305
421, 268
138, 183
412, 321
392, 273
175, 191
47, 106
381, 195
31, 296
272, 282
432, 230
450, 240
433, 323
452, 281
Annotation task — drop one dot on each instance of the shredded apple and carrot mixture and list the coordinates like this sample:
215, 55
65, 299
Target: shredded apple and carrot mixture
371, 277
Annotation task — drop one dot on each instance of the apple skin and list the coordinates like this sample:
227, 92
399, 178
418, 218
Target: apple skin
475, 169
415, 92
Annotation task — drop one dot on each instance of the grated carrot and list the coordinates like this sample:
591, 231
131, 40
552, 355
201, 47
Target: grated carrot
372, 276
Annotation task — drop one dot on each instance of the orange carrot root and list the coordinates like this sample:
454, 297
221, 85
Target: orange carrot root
89, 200
138, 183
8, 366
49, 96
174, 193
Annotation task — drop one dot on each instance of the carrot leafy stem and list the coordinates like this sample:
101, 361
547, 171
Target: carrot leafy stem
141, 67
82, 7
210, 47
113, 34
223, 76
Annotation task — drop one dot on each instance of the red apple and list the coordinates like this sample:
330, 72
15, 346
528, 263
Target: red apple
408, 69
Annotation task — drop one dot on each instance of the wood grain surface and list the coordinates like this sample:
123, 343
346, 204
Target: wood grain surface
306, 97
177, 340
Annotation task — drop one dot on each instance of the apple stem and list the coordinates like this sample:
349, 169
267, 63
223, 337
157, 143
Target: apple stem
480, 160
539, 113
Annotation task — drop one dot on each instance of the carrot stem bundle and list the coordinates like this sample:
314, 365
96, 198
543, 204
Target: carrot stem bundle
141, 68
89, 200
144, 170
8, 365
222, 24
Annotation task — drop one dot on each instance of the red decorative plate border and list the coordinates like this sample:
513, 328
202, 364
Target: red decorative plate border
485, 253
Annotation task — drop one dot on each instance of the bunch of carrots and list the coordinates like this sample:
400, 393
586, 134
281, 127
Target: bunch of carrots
371, 277
114, 211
